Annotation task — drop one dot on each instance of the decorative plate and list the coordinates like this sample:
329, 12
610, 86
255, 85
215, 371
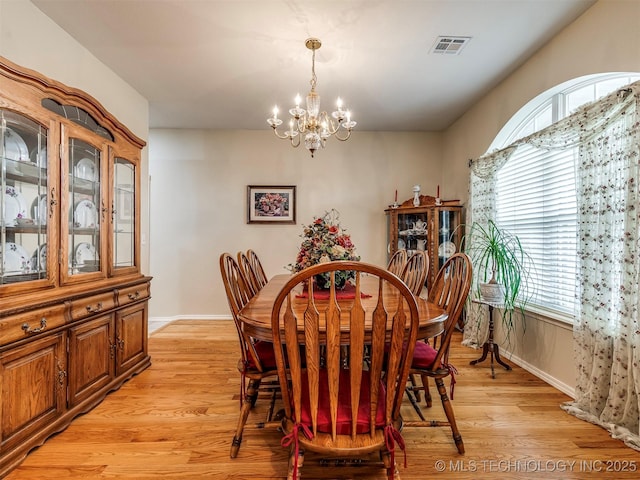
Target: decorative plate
39, 209
401, 244
86, 254
446, 249
86, 169
39, 259
85, 215
39, 157
14, 146
15, 259
14, 206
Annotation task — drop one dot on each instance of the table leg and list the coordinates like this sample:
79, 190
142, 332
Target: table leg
491, 347
498, 359
485, 350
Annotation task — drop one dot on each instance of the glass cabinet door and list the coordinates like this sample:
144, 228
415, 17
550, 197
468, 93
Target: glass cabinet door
25, 209
124, 215
448, 234
86, 208
412, 231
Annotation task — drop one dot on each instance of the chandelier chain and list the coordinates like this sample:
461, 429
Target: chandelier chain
314, 79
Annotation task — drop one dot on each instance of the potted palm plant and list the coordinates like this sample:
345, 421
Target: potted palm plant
501, 268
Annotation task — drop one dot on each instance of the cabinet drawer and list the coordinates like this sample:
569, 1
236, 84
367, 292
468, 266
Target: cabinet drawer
31, 324
91, 305
133, 294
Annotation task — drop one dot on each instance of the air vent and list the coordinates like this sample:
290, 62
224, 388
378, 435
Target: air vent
450, 45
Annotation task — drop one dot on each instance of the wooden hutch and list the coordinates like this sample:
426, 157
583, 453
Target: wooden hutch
432, 227
73, 302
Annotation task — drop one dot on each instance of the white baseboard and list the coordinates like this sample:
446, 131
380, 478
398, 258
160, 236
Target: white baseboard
158, 322
554, 382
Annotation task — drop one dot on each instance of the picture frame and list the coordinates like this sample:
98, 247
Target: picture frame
271, 204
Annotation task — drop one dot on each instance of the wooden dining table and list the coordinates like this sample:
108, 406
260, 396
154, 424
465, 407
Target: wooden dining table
256, 315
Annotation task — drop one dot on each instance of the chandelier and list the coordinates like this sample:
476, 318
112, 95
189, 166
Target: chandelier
316, 126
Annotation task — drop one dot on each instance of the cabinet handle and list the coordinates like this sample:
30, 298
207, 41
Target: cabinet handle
29, 331
104, 210
53, 202
112, 349
94, 310
62, 374
134, 296
120, 343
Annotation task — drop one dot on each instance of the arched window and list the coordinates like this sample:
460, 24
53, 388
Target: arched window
535, 190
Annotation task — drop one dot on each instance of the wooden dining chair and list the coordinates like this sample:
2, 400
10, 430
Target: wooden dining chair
335, 402
257, 363
247, 273
397, 262
415, 271
256, 266
449, 290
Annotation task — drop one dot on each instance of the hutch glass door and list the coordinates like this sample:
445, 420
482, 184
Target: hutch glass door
124, 202
24, 205
85, 207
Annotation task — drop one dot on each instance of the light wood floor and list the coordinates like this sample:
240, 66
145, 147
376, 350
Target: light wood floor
176, 421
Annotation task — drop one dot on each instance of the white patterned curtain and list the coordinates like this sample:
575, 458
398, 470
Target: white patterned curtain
607, 328
482, 184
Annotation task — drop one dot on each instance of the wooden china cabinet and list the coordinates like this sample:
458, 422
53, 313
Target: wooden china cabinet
430, 227
73, 302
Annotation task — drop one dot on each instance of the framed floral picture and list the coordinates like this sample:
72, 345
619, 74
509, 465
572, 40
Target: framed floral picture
271, 204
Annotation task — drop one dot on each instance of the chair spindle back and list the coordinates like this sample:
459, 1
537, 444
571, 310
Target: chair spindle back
415, 271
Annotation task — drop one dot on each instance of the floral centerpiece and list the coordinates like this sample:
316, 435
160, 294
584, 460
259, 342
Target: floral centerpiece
325, 240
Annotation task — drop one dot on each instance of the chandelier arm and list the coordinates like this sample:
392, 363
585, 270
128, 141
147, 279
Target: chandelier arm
281, 136
343, 139
332, 128
295, 144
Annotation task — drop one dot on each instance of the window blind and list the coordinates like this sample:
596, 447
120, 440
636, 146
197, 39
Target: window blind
535, 200
536, 194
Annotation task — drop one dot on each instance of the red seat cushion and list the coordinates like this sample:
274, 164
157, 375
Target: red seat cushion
265, 354
423, 355
344, 418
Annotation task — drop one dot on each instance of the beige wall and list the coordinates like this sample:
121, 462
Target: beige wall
30, 39
198, 192
604, 39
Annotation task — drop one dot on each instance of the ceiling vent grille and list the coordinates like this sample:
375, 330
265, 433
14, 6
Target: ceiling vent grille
450, 45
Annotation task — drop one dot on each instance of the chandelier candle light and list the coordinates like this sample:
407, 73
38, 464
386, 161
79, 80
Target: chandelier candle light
316, 126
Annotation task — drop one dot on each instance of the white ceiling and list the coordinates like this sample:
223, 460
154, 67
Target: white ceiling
225, 63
